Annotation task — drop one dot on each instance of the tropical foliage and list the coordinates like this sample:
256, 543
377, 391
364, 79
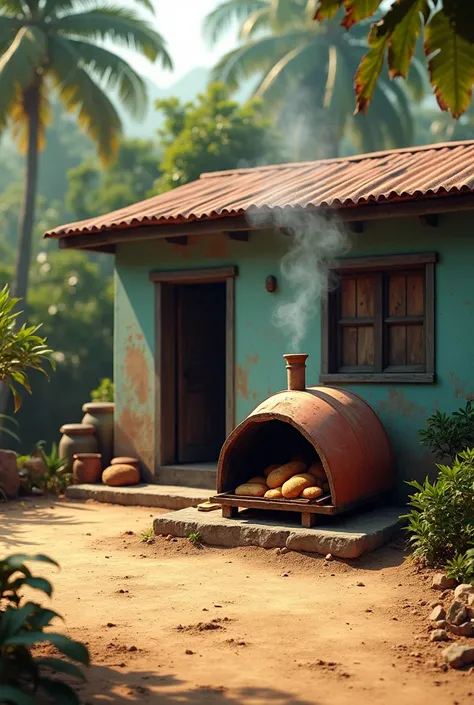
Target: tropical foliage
50, 47
304, 72
21, 349
24, 677
212, 134
447, 27
441, 523
446, 435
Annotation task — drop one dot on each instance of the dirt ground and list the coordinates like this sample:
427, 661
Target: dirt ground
173, 624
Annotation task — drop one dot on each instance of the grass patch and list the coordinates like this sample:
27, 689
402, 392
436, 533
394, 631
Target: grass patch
195, 538
147, 536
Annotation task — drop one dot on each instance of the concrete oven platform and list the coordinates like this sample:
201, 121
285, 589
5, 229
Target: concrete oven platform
144, 495
346, 537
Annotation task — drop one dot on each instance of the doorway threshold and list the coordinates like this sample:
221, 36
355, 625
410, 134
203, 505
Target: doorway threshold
201, 475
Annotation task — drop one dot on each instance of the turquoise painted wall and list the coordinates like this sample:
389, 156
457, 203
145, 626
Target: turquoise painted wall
260, 345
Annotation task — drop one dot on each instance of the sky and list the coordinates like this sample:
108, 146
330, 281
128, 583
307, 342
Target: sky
180, 23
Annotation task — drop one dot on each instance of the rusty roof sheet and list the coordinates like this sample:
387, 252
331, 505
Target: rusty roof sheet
378, 177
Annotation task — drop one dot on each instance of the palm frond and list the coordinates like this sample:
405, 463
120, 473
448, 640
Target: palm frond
78, 92
290, 70
58, 8
254, 57
257, 21
19, 66
13, 8
116, 73
226, 15
116, 24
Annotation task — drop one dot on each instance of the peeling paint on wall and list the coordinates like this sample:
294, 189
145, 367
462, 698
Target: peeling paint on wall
397, 403
137, 373
461, 387
242, 378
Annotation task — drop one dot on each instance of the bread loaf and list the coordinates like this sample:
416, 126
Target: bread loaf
257, 481
295, 485
279, 476
318, 470
273, 494
311, 492
270, 468
251, 490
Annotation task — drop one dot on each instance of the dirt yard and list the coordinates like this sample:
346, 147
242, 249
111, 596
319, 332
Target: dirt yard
173, 624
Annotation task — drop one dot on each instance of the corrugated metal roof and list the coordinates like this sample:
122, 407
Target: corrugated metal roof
378, 177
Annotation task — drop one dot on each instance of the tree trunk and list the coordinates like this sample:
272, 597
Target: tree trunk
31, 100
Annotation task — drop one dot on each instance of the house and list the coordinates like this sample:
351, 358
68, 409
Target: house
196, 348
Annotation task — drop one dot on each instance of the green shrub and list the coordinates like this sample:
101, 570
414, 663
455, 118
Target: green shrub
57, 477
461, 567
441, 524
104, 392
22, 624
446, 435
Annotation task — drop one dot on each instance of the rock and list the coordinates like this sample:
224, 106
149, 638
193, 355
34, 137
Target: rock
439, 635
438, 614
9, 475
284, 550
463, 592
445, 594
442, 582
329, 557
464, 629
120, 475
457, 613
35, 466
459, 655
440, 624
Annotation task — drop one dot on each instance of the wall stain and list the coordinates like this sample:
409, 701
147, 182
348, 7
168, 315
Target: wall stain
136, 374
242, 378
134, 437
397, 403
460, 387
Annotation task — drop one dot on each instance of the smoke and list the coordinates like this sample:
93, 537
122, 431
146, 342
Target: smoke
314, 241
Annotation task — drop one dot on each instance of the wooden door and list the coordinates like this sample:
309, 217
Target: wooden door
201, 370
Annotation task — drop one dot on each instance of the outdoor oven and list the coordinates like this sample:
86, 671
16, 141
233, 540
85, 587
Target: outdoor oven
318, 426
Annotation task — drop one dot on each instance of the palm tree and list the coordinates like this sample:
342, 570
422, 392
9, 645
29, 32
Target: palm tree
55, 47
305, 76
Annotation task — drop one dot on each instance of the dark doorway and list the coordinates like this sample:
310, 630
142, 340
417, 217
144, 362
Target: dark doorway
200, 371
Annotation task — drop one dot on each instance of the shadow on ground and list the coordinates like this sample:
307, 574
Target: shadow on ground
110, 687
17, 517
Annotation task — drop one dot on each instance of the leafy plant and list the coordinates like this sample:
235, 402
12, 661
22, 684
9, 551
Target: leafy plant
20, 348
461, 567
448, 29
57, 477
104, 392
195, 538
22, 625
446, 435
147, 536
441, 523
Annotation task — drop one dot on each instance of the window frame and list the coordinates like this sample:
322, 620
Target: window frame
330, 320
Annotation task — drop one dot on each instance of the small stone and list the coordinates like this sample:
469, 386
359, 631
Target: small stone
464, 629
168, 538
329, 557
438, 614
440, 624
459, 655
442, 582
457, 613
111, 624
284, 550
133, 648
359, 584
188, 652
439, 635
445, 594
463, 592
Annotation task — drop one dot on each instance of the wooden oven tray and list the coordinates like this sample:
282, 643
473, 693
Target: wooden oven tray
307, 507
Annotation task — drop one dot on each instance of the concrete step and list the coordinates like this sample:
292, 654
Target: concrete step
160, 496
203, 475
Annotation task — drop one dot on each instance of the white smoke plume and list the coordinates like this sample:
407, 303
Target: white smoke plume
313, 241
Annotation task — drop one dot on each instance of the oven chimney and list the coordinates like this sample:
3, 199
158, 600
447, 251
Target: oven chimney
296, 371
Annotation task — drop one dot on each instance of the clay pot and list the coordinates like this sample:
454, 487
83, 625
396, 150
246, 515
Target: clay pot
77, 438
100, 414
87, 468
126, 461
